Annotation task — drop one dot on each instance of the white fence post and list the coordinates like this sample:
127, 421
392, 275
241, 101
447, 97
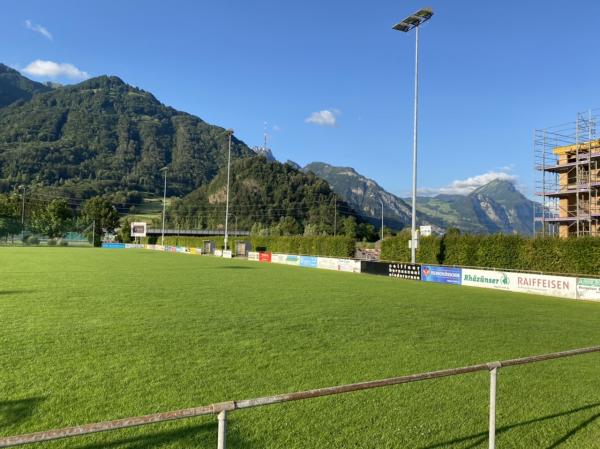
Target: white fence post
493, 381
222, 437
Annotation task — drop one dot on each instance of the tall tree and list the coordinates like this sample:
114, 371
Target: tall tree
102, 214
54, 220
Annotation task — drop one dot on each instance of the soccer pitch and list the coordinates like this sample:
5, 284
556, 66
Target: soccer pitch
89, 335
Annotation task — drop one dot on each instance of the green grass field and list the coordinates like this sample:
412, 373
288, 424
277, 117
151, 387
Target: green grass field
90, 334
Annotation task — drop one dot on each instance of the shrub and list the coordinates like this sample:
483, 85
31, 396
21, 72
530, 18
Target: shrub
549, 254
62, 242
32, 240
51, 242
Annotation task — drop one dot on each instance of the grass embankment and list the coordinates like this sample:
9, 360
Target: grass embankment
90, 334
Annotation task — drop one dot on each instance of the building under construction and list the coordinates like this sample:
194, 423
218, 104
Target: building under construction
567, 166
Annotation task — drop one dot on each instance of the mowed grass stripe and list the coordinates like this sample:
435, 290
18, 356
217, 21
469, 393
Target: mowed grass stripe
89, 335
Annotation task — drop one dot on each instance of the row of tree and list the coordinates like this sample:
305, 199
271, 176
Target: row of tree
56, 217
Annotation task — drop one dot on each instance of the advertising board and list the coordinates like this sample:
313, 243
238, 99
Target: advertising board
134, 246
498, 280
264, 257
292, 259
138, 229
278, 258
405, 271
218, 252
113, 245
327, 263
540, 284
370, 267
588, 289
180, 249
252, 255
443, 275
308, 261
349, 265
227, 254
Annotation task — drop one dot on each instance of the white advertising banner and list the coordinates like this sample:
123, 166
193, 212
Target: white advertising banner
352, 266
588, 289
540, 284
278, 258
486, 279
327, 263
227, 254
252, 255
218, 252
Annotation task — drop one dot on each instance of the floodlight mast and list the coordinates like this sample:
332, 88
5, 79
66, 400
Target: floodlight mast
414, 21
229, 133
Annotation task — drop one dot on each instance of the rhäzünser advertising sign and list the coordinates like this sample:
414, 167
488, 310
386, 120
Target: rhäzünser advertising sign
588, 289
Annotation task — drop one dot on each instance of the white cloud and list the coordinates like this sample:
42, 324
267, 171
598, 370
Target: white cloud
466, 186
326, 117
51, 69
38, 29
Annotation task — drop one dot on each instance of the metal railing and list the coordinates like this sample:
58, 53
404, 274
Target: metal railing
221, 409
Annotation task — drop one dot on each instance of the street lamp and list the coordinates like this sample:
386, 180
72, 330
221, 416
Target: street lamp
410, 22
229, 133
162, 239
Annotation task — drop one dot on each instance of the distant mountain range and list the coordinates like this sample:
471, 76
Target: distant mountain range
495, 207
104, 136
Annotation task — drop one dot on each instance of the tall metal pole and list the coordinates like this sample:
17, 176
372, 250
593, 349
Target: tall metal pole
413, 249
334, 215
162, 240
230, 132
22, 213
381, 219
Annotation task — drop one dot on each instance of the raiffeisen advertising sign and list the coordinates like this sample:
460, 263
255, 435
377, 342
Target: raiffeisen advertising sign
540, 284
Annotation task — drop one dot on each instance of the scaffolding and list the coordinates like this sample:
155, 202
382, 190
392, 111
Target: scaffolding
567, 163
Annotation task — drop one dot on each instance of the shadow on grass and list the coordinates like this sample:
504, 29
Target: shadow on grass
479, 438
14, 292
11, 412
190, 436
237, 267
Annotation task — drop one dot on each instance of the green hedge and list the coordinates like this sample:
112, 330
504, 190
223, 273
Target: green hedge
550, 254
317, 246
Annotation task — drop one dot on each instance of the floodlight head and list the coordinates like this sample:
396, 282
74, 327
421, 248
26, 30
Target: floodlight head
229, 131
414, 20
165, 168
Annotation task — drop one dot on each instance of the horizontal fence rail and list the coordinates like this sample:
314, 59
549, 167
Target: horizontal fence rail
222, 408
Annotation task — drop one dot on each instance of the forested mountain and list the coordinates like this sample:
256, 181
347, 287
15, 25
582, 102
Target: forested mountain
495, 207
265, 195
105, 135
15, 87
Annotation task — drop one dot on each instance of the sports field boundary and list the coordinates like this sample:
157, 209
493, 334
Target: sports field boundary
561, 286
221, 409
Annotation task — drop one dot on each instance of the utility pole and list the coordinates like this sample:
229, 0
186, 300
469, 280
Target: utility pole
334, 215
381, 220
162, 239
22, 187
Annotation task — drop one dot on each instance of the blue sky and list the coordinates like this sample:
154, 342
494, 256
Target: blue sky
491, 72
